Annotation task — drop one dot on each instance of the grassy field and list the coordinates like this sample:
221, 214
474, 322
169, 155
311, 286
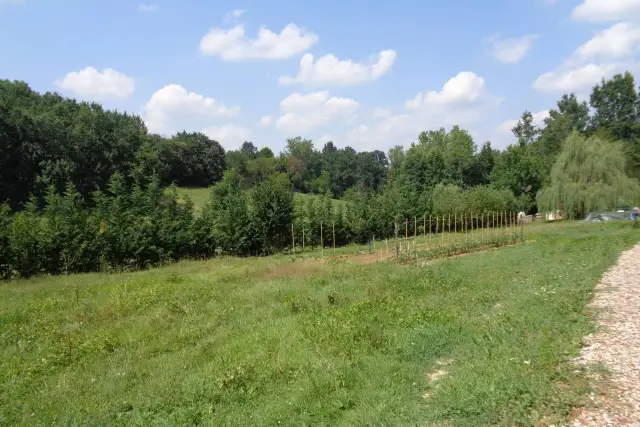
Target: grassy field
476, 340
199, 196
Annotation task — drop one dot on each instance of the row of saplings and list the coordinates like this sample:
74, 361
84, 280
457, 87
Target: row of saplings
138, 226
134, 227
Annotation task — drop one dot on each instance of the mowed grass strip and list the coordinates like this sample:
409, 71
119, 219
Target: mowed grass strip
471, 341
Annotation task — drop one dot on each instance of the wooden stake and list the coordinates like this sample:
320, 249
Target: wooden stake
303, 240
321, 241
415, 228
449, 227
466, 224
333, 226
424, 226
397, 243
482, 228
293, 240
493, 221
455, 223
406, 229
429, 229
442, 231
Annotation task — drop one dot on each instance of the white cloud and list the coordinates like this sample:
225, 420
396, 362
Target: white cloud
606, 10
576, 79
305, 112
510, 50
170, 108
230, 136
618, 41
463, 100
381, 113
148, 8
265, 120
608, 52
464, 87
538, 120
90, 82
234, 45
329, 70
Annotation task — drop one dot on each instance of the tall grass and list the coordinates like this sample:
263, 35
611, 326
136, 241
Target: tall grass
472, 341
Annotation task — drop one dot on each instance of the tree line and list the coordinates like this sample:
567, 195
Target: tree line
84, 188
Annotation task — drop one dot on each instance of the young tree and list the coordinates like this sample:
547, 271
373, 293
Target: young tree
229, 211
272, 203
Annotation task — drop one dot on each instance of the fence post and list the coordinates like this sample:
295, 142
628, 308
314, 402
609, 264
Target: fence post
293, 240
415, 228
449, 227
303, 240
521, 231
429, 229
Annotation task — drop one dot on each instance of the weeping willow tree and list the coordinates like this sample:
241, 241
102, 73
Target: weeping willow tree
588, 175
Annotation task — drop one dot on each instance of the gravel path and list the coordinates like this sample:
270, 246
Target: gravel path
616, 346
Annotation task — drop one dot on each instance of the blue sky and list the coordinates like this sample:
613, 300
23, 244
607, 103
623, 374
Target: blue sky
374, 73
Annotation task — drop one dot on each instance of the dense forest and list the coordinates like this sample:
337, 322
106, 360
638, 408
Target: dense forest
84, 188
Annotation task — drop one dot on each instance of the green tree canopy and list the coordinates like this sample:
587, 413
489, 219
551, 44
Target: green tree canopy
589, 175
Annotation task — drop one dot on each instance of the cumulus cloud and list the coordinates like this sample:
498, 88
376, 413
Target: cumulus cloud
265, 120
380, 113
91, 83
234, 45
510, 50
230, 136
329, 70
606, 10
576, 79
618, 41
173, 108
463, 100
464, 87
608, 52
302, 112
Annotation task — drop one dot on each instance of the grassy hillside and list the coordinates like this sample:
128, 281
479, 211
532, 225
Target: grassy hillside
471, 341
